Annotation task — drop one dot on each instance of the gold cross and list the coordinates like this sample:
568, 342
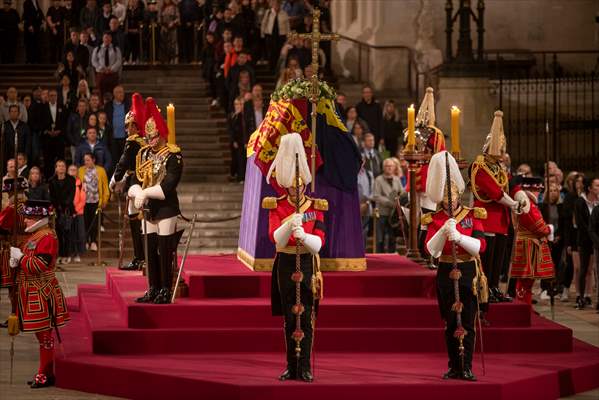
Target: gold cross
315, 37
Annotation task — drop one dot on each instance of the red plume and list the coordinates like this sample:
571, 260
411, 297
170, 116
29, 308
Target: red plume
152, 111
138, 109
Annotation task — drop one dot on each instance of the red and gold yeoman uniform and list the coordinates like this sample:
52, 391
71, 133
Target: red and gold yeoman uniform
41, 303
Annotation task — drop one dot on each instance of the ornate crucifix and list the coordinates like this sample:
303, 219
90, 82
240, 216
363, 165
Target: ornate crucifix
315, 37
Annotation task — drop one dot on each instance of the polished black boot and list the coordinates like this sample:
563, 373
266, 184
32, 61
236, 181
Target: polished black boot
153, 270
289, 374
167, 246
149, 296
137, 240
306, 375
451, 374
134, 265
467, 375
163, 296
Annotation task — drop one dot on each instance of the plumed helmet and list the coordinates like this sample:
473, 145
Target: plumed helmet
283, 166
495, 143
137, 113
155, 124
436, 180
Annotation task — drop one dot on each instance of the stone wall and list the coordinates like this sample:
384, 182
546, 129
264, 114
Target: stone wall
420, 24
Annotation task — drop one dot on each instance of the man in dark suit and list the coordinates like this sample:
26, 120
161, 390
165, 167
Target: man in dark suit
32, 23
14, 124
53, 133
254, 111
372, 158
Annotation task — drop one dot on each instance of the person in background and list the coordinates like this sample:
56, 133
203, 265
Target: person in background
369, 109
340, 103
107, 61
583, 206
373, 160
236, 136
12, 125
53, 132
33, 18
365, 192
358, 134
55, 17
62, 194
66, 95
13, 99
83, 91
97, 194
77, 232
392, 128
115, 115
134, 19
22, 167
9, 30
92, 145
104, 128
387, 187
594, 234
351, 117
169, 22
119, 11
37, 189
76, 126
274, 29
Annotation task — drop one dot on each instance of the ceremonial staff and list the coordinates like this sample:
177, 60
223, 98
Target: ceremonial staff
315, 37
546, 201
298, 308
455, 274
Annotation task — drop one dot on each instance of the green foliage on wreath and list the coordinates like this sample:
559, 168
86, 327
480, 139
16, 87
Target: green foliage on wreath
300, 88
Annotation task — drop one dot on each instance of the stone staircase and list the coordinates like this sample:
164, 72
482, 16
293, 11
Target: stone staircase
202, 136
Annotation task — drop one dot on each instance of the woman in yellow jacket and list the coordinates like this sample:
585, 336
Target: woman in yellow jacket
97, 194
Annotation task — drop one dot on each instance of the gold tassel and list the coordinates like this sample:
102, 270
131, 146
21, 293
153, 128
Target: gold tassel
13, 325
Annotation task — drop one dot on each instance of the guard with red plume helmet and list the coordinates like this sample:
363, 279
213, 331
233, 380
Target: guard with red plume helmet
135, 121
158, 169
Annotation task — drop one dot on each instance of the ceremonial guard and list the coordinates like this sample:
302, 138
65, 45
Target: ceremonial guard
8, 236
41, 303
124, 175
455, 236
154, 192
489, 183
430, 140
531, 258
296, 226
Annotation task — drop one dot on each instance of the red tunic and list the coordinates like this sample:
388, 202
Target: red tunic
532, 256
487, 193
467, 224
313, 219
7, 218
41, 302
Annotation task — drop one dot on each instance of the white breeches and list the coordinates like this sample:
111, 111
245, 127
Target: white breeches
163, 227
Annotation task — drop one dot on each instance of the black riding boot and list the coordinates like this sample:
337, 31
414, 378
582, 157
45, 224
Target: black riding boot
138, 245
153, 270
167, 248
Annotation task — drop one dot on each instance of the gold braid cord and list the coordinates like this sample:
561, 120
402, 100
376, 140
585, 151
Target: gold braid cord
494, 170
150, 168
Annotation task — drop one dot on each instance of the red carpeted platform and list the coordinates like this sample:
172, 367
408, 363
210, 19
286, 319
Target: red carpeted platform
379, 335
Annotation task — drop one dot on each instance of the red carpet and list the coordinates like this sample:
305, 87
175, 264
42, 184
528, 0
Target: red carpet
379, 335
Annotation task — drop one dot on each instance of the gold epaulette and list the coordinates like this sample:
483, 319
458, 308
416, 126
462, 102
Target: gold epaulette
132, 138
320, 204
426, 219
480, 213
173, 148
269, 203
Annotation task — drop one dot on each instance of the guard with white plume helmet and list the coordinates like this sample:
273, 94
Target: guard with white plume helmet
455, 237
489, 182
296, 227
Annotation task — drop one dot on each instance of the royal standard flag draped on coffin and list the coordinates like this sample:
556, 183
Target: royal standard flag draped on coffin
337, 157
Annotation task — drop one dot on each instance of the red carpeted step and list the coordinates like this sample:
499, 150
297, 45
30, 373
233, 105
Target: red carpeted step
342, 312
381, 376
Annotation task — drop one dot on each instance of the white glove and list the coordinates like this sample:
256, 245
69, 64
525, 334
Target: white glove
312, 243
454, 236
551, 236
15, 256
112, 184
509, 202
299, 233
523, 201
134, 191
449, 226
297, 220
140, 200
